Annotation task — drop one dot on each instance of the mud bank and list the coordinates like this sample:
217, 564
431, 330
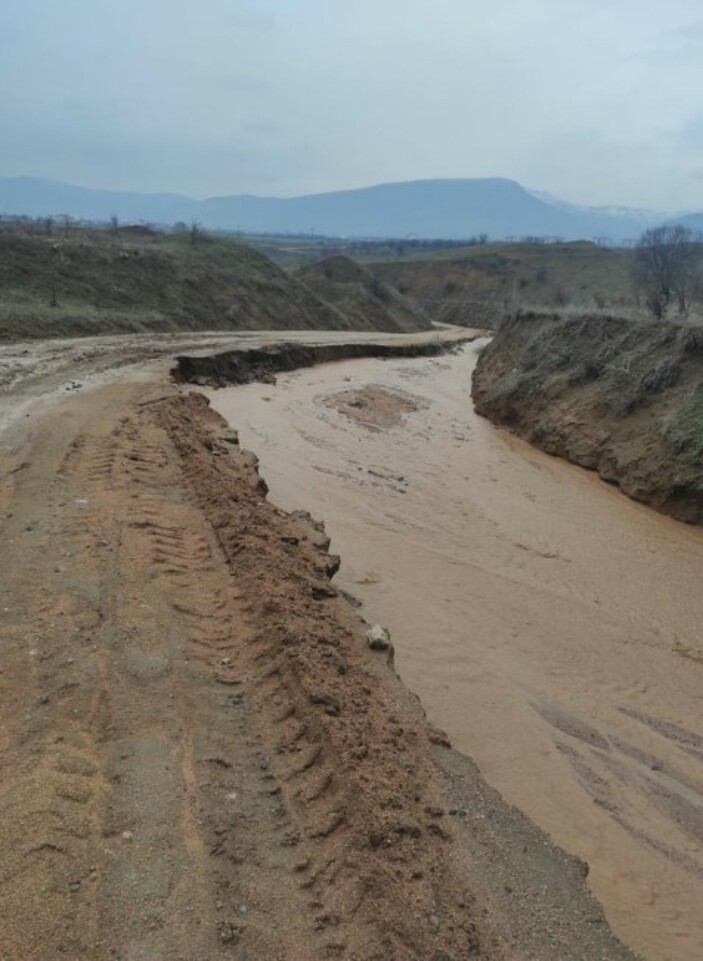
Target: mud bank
351, 760
245, 366
623, 398
401, 848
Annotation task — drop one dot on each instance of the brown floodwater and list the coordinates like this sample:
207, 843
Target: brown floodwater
551, 626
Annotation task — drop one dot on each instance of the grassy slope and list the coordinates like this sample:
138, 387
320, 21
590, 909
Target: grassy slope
476, 284
355, 292
93, 282
623, 397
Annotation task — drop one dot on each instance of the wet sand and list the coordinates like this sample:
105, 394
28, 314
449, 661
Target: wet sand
550, 626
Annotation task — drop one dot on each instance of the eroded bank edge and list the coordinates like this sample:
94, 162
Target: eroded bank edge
234, 367
392, 814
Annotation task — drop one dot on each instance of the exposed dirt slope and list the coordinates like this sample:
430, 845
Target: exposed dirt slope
263, 363
90, 283
369, 303
620, 397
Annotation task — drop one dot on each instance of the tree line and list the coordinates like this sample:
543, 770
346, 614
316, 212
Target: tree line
667, 269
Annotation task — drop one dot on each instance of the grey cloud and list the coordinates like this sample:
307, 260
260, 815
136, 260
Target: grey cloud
595, 100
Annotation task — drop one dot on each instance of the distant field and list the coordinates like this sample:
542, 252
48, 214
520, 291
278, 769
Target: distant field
454, 285
478, 283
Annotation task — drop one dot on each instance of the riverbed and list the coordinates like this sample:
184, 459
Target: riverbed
548, 624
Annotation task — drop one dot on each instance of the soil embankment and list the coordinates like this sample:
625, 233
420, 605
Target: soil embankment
202, 755
244, 366
621, 397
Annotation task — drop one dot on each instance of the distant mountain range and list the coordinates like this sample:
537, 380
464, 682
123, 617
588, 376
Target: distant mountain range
448, 209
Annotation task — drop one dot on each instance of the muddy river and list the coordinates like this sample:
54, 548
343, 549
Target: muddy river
551, 626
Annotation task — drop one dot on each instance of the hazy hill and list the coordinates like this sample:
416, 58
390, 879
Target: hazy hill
427, 208
692, 221
40, 198
368, 302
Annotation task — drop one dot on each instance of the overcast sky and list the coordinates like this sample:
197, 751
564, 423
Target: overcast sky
596, 101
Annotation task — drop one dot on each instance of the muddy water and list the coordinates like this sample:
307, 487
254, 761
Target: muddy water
550, 626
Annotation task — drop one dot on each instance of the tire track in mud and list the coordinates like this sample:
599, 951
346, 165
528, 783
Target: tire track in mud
51, 807
190, 824
113, 820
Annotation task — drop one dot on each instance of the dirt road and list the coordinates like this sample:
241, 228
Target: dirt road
201, 757
550, 625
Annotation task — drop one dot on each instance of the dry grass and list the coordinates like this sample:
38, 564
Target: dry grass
93, 281
580, 276
622, 396
631, 358
683, 425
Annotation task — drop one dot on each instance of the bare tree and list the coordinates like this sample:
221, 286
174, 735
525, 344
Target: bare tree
195, 232
114, 225
664, 267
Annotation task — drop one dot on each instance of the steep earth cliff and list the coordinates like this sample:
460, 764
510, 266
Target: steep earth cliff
621, 397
